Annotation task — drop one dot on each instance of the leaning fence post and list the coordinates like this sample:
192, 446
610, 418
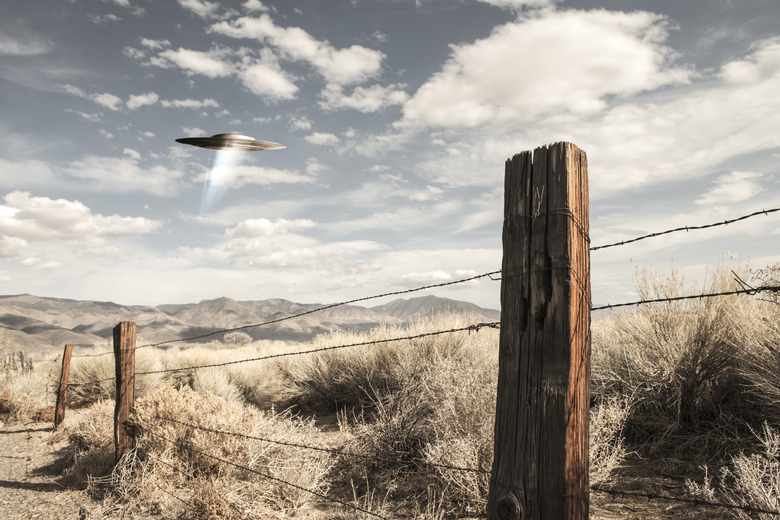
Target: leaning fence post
124, 356
62, 390
540, 465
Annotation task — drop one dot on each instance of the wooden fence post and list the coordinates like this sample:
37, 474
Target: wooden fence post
124, 356
540, 465
62, 390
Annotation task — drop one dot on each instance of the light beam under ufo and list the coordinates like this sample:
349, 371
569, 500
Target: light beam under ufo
225, 163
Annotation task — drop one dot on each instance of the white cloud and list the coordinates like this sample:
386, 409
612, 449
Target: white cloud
123, 175
11, 247
254, 5
140, 100
437, 276
189, 103
262, 227
109, 101
22, 47
518, 4
322, 139
343, 66
193, 131
300, 123
133, 154
268, 80
731, 188
25, 173
104, 19
43, 219
155, 44
236, 176
363, 99
202, 8
209, 64
559, 61
762, 64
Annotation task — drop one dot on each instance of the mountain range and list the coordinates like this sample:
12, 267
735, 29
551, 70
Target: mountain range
42, 326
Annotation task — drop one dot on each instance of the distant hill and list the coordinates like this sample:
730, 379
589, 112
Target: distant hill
42, 326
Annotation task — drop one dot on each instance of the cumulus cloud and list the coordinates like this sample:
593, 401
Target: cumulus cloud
518, 4
262, 227
236, 176
731, 188
588, 55
322, 139
202, 8
29, 46
29, 219
210, 64
266, 79
155, 44
123, 175
343, 66
11, 247
189, 103
363, 99
140, 100
109, 101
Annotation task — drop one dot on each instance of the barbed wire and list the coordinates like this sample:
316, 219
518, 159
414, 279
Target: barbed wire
323, 308
686, 228
475, 328
315, 448
751, 291
261, 474
695, 501
306, 313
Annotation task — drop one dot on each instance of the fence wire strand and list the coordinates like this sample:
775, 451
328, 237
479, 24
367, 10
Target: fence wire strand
687, 228
261, 474
751, 291
470, 328
315, 448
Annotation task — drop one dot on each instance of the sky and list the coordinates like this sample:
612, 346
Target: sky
397, 117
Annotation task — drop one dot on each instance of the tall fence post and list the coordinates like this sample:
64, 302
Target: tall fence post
62, 390
540, 465
124, 356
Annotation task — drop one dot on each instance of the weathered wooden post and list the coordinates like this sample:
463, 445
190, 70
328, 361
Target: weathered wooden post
540, 465
124, 356
62, 390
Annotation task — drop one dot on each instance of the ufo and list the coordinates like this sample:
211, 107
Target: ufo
237, 142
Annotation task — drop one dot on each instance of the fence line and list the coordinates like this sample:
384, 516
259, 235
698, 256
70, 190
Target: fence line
686, 228
694, 501
476, 327
751, 291
261, 474
315, 448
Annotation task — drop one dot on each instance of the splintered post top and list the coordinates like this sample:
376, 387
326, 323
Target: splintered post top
237, 142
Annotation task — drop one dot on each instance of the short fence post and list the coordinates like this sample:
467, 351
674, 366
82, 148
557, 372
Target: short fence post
22, 361
540, 465
62, 390
124, 355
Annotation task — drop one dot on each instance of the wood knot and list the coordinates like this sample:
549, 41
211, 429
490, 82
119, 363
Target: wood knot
509, 508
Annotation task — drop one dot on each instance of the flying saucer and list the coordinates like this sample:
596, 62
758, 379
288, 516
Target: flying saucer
237, 142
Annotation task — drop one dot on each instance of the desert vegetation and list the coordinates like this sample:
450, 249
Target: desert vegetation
688, 388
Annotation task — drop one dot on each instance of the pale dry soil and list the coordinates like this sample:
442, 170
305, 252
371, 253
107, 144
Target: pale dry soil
32, 486
31, 483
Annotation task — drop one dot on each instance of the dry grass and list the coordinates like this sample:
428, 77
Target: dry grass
686, 380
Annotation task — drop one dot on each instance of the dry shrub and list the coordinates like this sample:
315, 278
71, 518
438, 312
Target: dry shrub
92, 378
748, 480
360, 376
164, 445
681, 361
606, 444
26, 395
91, 444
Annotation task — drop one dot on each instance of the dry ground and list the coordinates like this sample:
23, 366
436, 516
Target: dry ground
32, 487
